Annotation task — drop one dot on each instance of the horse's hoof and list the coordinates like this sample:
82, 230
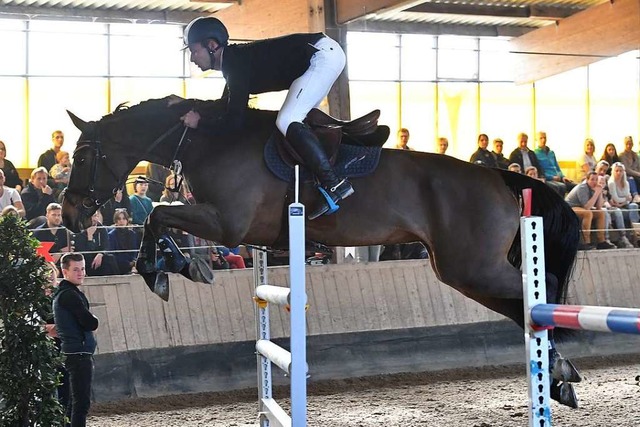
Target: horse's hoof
161, 287
564, 370
145, 266
150, 280
565, 394
198, 271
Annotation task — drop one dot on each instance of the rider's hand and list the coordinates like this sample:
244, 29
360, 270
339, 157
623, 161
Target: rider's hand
191, 119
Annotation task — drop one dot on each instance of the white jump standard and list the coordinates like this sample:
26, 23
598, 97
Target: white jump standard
293, 363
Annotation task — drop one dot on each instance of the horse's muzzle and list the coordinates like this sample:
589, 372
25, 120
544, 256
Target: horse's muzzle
74, 216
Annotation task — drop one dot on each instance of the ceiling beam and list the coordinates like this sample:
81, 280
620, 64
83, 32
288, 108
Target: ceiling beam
350, 10
437, 29
606, 30
259, 19
537, 12
106, 15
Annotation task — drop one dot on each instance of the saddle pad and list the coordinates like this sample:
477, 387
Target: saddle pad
352, 162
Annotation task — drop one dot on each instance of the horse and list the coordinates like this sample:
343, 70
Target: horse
466, 215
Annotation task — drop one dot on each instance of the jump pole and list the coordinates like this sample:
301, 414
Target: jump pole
540, 316
294, 363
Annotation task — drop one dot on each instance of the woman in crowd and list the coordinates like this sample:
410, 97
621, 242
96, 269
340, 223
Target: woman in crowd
123, 241
94, 241
12, 179
610, 155
621, 197
587, 161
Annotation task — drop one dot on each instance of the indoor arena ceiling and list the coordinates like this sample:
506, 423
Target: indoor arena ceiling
479, 17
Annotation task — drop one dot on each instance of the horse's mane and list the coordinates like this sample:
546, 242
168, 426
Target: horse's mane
181, 106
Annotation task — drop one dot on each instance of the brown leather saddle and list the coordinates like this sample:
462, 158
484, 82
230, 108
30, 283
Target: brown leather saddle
363, 131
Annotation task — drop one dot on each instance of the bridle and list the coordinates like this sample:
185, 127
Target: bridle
93, 198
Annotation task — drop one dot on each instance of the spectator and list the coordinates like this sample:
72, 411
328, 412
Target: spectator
232, 257
631, 163
53, 231
523, 156
182, 196
60, 172
552, 173
532, 172
141, 205
50, 328
403, 140
514, 167
75, 325
156, 176
501, 161
48, 158
588, 162
119, 201
94, 242
10, 197
443, 144
620, 196
610, 154
10, 210
205, 250
587, 202
37, 195
124, 242
12, 178
615, 219
483, 156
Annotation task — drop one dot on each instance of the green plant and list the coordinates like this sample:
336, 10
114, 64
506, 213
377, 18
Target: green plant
28, 359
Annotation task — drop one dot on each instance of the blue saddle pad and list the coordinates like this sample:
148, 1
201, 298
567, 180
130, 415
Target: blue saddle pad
352, 162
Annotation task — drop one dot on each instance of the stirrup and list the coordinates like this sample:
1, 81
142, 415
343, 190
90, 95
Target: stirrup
328, 206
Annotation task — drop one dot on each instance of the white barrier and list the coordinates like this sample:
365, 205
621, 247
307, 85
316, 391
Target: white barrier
539, 316
293, 363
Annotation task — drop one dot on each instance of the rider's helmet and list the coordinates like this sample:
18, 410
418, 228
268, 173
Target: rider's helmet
203, 28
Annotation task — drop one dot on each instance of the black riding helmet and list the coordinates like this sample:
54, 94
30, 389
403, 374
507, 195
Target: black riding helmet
203, 28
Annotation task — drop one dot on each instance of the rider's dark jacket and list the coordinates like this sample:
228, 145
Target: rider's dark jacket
259, 67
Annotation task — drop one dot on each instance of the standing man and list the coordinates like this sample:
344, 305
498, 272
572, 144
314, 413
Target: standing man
550, 167
75, 325
443, 144
10, 197
48, 158
403, 140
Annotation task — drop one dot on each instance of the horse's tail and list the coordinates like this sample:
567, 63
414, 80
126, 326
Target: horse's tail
561, 229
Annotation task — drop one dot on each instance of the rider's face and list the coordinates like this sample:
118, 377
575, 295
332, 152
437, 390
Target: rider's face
200, 56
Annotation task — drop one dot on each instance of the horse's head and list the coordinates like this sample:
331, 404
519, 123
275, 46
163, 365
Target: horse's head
98, 171
110, 148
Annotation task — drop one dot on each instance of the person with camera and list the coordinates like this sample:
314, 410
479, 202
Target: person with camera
587, 201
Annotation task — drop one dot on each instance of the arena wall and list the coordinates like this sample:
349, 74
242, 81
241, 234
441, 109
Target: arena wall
363, 319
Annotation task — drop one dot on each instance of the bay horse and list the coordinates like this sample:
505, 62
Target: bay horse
466, 215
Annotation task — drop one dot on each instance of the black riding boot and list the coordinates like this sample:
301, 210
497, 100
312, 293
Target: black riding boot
306, 144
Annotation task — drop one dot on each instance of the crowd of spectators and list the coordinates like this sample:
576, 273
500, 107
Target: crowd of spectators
607, 208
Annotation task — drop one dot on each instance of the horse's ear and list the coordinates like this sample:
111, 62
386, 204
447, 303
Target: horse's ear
78, 122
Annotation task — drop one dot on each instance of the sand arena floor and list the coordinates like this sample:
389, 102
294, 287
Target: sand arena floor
495, 397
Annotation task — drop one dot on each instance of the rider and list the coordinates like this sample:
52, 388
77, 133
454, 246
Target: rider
306, 64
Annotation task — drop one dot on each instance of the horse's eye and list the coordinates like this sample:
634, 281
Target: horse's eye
81, 161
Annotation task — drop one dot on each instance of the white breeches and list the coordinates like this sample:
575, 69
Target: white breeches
308, 90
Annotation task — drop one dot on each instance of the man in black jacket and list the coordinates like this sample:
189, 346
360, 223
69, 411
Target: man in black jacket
75, 325
37, 195
305, 64
525, 157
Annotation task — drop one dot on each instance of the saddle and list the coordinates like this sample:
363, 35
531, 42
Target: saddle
363, 131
